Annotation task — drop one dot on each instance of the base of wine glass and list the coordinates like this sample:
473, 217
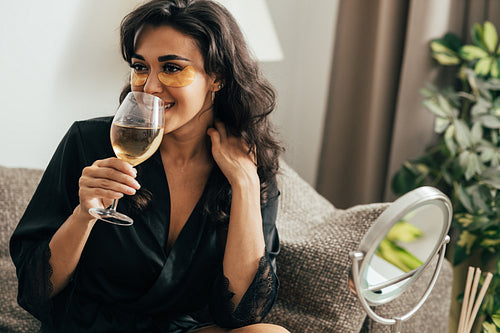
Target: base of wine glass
111, 216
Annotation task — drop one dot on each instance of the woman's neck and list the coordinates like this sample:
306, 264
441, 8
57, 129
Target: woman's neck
179, 150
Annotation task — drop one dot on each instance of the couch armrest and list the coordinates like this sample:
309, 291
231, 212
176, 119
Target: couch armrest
17, 185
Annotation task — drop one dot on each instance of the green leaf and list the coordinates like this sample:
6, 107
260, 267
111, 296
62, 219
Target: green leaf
490, 36
427, 93
466, 241
452, 41
445, 105
472, 52
445, 50
489, 327
407, 178
471, 163
488, 242
464, 198
477, 133
477, 34
481, 198
496, 319
443, 53
439, 106
446, 59
480, 107
491, 176
465, 220
487, 153
493, 83
493, 183
494, 137
483, 66
489, 121
462, 134
441, 124
449, 141
495, 68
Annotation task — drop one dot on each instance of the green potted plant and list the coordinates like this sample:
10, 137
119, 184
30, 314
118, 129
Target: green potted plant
464, 162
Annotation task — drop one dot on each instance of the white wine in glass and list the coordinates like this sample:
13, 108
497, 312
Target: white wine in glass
136, 133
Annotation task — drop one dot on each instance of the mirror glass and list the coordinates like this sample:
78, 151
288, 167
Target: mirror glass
401, 243
409, 244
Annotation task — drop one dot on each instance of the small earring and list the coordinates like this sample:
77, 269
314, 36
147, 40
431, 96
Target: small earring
221, 85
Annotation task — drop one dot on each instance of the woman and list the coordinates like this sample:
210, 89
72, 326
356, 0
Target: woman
201, 252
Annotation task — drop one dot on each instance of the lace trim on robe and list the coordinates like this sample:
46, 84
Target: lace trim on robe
255, 304
35, 286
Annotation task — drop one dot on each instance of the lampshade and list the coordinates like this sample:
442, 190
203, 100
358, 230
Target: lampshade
255, 22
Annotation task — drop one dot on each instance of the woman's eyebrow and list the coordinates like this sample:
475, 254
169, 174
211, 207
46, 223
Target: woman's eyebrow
137, 56
171, 57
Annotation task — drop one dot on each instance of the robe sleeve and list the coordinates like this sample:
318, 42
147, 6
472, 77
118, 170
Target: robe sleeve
52, 203
262, 292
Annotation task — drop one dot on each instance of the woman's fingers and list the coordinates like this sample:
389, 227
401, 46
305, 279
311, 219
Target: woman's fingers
221, 128
113, 170
106, 180
117, 164
122, 184
214, 137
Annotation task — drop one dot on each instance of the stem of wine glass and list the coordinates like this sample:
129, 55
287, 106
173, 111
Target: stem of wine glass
113, 205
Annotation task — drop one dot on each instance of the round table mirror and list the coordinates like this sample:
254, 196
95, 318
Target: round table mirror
397, 248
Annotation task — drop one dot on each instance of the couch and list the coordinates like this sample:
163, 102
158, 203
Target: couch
313, 265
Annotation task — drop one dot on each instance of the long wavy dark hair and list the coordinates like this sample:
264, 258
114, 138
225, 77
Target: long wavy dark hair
246, 99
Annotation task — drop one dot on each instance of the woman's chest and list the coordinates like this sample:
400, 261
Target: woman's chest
125, 263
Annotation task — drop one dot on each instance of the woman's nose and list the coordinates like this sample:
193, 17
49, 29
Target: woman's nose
153, 85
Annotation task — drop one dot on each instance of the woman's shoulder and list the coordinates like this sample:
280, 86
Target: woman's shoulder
90, 138
93, 125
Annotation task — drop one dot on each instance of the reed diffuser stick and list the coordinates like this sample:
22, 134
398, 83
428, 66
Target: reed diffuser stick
472, 297
479, 300
463, 313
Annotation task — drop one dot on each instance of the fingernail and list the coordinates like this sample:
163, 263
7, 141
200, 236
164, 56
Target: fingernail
134, 171
137, 185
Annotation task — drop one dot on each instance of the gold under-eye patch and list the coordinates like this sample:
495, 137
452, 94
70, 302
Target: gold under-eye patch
138, 79
176, 80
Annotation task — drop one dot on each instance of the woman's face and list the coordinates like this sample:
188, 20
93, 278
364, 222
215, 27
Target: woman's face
167, 51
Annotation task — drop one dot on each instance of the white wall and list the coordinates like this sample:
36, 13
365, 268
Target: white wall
60, 62
305, 30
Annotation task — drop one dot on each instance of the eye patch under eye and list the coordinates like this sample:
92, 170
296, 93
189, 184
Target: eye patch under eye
176, 80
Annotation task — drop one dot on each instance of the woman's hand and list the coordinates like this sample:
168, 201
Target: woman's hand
104, 181
232, 156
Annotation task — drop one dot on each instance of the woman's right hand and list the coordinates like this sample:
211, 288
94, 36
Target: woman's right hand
104, 181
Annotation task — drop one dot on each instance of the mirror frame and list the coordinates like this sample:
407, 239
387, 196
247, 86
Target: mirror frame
377, 232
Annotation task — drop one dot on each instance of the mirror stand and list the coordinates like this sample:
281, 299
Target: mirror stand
396, 322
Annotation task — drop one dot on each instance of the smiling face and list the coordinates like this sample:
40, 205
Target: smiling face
168, 64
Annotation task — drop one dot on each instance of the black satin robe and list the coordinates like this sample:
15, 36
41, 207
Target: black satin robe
125, 281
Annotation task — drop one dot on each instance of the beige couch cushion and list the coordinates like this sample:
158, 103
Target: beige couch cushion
314, 262
16, 188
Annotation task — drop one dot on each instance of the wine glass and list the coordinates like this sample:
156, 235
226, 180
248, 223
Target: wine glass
136, 133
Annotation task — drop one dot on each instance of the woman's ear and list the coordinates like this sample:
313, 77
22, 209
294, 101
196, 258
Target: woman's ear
218, 83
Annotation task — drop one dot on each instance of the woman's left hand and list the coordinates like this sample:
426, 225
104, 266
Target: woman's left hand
231, 155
